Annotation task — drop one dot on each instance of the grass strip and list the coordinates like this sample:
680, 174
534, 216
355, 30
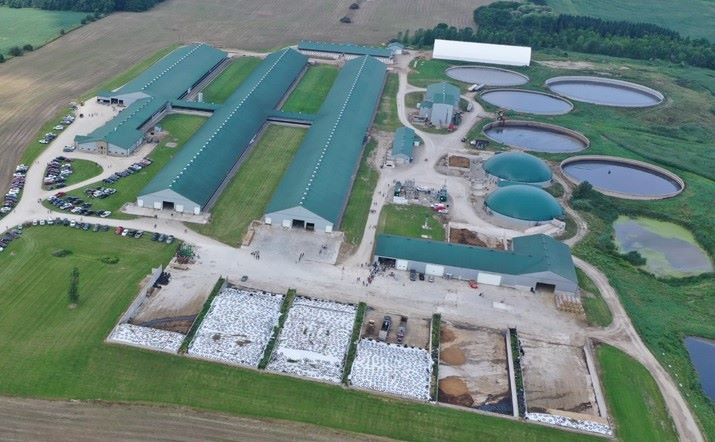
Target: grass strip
354, 338
200, 317
358, 207
230, 79
287, 303
434, 343
387, 118
597, 311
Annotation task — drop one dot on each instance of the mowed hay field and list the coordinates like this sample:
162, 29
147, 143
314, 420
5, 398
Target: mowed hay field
692, 18
21, 26
250, 190
34, 87
54, 352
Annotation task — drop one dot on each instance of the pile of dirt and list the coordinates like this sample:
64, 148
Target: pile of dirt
464, 236
179, 324
453, 390
452, 355
457, 161
447, 335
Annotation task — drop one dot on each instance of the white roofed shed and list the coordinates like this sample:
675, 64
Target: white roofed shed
482, 53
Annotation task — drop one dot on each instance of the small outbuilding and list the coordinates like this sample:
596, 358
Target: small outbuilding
403, 145
524, 204
518, 168
536, 262
440, 102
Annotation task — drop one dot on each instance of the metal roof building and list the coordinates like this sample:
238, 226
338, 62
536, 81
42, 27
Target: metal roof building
535, 261
314, 190
439, 103
518, 167
481, 53
349, 50
403, 145
524, 204
148, 97
193, 177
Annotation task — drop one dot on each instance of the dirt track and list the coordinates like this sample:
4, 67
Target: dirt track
34, 87
38, 420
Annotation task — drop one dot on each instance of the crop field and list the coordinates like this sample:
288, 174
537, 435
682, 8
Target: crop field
409, 221
250, 190
65, 356
310, 93
227, 82
37, 85
633, 398
692, 18
358, 207
180, 128
21, 26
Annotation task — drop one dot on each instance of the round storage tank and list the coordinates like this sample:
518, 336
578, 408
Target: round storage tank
527, 204
519, 167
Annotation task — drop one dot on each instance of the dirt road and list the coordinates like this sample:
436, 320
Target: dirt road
35, 86
38, 420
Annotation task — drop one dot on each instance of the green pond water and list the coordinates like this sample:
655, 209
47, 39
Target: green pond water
669, 249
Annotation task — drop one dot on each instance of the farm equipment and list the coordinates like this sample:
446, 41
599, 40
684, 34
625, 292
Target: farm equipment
401, 329
385, 329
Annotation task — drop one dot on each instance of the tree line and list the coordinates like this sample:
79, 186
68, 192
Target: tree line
528, 24
105, 6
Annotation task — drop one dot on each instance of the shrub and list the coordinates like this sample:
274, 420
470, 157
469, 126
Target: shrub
635, 258
62, 32
2, 58
110, 259
61, 253
27, 48
15, 51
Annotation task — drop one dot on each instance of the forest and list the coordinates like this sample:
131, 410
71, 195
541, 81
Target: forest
104, 6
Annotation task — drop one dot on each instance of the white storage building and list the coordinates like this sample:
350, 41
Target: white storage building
481, 53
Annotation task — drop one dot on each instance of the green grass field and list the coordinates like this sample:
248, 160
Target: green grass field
21, 26
358, 207
409, 221
250, 190
426, 72
58, 353
692, 18
597, 312
387, 118
180, 128
83, 170
310, 93
226, 83
633, 397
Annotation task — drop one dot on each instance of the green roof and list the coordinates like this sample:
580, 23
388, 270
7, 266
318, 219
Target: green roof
518, 167
404, 142
442, 92
123, 130
322, 172
175, 73
199, 168
343, 48
524, 202
529, 254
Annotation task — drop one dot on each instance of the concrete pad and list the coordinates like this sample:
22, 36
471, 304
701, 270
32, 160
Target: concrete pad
287, 244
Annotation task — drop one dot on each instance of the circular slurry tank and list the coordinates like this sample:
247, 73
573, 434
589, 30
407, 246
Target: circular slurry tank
487, 76
605, 91
622, 177
530, 102
537, 137
524, 203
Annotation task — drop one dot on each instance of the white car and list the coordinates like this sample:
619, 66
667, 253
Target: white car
59, 127
43, 141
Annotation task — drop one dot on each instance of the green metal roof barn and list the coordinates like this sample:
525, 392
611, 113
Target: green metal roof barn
524, 202
518, 167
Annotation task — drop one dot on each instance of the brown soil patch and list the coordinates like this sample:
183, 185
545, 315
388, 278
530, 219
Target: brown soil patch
464, 236
447, 335
457, 161
453, 390
453, 356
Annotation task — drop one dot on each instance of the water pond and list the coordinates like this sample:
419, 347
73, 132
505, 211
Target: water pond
702, 355
530, 102
486, 75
